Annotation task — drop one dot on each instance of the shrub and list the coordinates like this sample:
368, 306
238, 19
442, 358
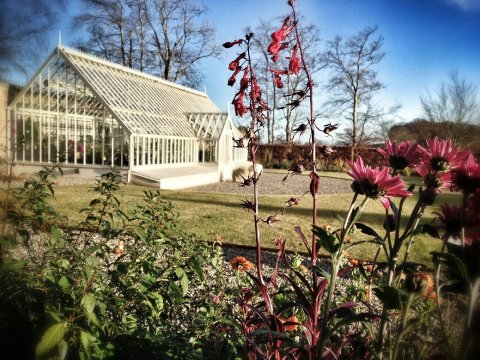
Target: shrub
122, 284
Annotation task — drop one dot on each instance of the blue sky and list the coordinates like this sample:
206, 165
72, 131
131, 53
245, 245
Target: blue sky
424, 40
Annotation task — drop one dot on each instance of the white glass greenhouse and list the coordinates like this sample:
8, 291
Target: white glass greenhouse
85, 112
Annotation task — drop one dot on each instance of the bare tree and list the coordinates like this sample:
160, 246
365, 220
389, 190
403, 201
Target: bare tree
114, 27
23, 28
354, 81
168, 38
453, 105
180, 39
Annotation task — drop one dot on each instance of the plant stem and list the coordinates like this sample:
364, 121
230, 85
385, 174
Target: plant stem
403, 324
253, 150
336, 260
410, 240
445, 336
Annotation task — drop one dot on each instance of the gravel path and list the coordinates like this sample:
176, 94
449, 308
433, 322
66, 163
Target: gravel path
272, 184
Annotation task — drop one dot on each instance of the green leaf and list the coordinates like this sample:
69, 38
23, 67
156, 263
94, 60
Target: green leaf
182, 276
50, 338
93, 318
427, 229
339, 217
322, 272
88, 302
85, 338
94, 202
391, 297
367, 230
326, 240
198, 268
454, 264
62, 349
63, 282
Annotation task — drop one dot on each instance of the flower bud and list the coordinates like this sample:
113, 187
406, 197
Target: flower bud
390, 223
416, 282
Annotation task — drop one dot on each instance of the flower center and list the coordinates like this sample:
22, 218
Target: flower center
432, 181
439, 164
398, 162
366, 188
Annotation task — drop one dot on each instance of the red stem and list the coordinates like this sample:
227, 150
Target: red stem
316, 300
253, 151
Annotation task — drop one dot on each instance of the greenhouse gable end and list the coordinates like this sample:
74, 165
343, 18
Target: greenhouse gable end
87, 113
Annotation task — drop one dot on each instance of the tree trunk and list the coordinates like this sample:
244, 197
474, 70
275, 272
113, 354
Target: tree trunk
354, 128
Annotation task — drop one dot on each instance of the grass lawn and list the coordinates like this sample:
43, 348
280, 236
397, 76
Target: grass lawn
210, 214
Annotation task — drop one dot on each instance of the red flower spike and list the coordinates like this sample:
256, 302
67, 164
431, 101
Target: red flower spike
236, 63
256, 92
244, 80
294, 65
240, 108
279, 72
229, 44
232, 79
278, 81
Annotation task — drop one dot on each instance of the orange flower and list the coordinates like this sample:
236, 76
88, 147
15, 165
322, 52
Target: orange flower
290, 327
353, 262
119, 249
367, 266
429, 292
239, 263
303, 269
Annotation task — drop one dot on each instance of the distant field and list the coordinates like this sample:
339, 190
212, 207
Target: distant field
210, 214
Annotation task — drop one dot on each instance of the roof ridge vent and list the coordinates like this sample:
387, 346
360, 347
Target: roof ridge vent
132, 70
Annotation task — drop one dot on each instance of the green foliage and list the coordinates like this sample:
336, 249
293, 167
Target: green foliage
33, 209
130, 284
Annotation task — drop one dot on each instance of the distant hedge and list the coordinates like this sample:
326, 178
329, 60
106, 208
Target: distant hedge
280, 156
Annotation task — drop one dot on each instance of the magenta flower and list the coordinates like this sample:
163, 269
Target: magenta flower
441, 154
400, 156
438, 181
450, 217
376, 183
466, 176
473, 206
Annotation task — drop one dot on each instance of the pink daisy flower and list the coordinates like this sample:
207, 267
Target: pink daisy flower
466, 176
400, 156
441, 154
434, 180
450, 217
376, 183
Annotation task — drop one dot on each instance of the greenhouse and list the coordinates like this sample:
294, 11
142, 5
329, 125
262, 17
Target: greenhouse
84, 112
